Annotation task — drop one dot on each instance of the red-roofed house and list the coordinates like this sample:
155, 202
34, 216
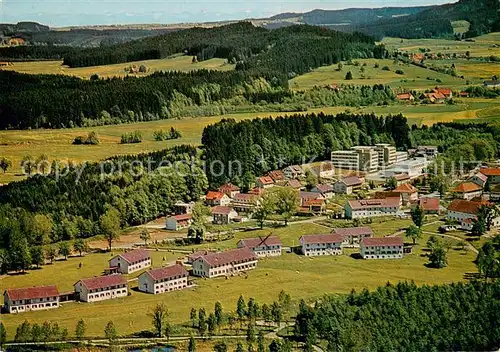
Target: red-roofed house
408, 193
493, 174
131, 261
382, 248
444, 91
315, 205
101, 288
430, 205
324, 170
436, 98
355, 209
295, 184
269, 246
223, 215
314, 245
179, 222
225, 263
229, 189
465, 211
32, 298
405, 97
160, 280
402, 179
348, 184
264, 182
217, 198
468, 190
276, 175
293, 171
353, 235
326, 190
245, 202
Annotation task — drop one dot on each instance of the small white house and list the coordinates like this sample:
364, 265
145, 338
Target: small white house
315, 245
348, 184
170, 278
131, 261
382, 248
30, 299
179, 222
269, 246
226, 263
223, 215
101, 288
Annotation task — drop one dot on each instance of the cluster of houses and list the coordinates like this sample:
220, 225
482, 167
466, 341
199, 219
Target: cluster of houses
436, 96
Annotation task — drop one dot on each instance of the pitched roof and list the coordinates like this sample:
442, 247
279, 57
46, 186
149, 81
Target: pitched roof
276, 175
244, 197
352, 181
212, 195
467, 187
167, 272
406, 188
490, 171
294, 184
314, 202
309, 195
103, 281
196, 255
181, 217
444, 91
481, 176
401, 177
261, 241
382, 241
322, 167
295, 168
228, 187
324, 188
327, 238
353, 231
375, 203
238, 255
134, 255
222, 210
429, 204
256, 191
32, 292
466, 206
266, 180
405, 96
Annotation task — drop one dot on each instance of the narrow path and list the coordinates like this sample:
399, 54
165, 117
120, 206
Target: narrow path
453, 238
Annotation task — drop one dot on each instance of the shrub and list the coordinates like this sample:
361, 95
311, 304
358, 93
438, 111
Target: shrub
386, 68
348, 76
400, 72
132, 137
90, 140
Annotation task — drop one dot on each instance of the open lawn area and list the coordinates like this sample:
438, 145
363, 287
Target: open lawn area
299, 276
175, 63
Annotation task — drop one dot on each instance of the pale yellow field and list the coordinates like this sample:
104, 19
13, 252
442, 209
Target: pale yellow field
178, 63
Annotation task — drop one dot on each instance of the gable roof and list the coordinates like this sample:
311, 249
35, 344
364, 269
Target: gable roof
466, 206
134, 255
352, 181
324, 188
167, 272
444, 91
406, 188
276, 175
481, 176
228, 187
429, 204
467, 187
295, 169
353, 231
181, 217
244, 197
213, 195
490, 171
232, 256
103, 281
309, 195
294, 184
382, 241
404, 96
261, 241
32, 292
222, 210
327, 238
266, 180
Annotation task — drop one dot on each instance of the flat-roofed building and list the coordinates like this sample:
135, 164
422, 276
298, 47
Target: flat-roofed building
101, 288
225, 263
368, 158
386, 154
316, 245
161, 280
382, 248
269, 246
345, 159
31, 298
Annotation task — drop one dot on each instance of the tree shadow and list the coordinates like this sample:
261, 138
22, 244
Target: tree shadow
356, 256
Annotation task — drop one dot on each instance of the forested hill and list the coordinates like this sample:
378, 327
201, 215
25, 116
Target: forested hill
483, 15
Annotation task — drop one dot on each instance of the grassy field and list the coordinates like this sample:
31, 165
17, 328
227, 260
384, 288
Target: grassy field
178, 63
301, 277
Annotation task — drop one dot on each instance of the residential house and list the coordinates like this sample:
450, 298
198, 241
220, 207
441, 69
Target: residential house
314, 206
20, 300
293, 172
444, 91
430, 205
277, 176
257, 191
324, 170
348, 184
192, 257
352, 236
402, 179
161, 280
315, 245
382, 248
183, 208
269, 246
465, 212
435, 98
265, 182
217, 198
356, 209
479, 179
295, 184
326, 190
468, 190
229, 189
223, 215
408, 97
407, 192
492, 83
131, 261
307, 196
244, 202
493, 174
101, 288
179, 222
225, 263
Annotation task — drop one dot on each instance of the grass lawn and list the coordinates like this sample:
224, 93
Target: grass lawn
178, 63
301, 277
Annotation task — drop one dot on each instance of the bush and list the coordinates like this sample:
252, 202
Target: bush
348, 76
386, 68
377, 65
400, 72
166, 135
90, 140
132, 137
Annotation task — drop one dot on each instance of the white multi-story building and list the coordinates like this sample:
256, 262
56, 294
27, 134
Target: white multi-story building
225, 263
170, 278
29, 299
413, 167
382, 248
315, 245
269, 246
356, 209
386, 154
352, 236
101, 288
345, 159
368, 158
131, 261
465, 212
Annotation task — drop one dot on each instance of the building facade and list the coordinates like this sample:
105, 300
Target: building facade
179, 222
131, 261
161, 280
352, 236
262, 247
357, 209
316, 245
226, 263
382, 248
101, 288
30, 299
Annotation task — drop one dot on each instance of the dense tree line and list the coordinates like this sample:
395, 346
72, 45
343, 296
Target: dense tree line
261, 145
404, 317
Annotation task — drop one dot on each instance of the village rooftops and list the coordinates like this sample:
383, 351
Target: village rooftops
168, 272
352, 181
324, 188
353, 231
228, 187
222, 210
266, 180
244, 197
404, 96
233, 256
135, 255
406, 188
196, 255
466, 206
382, 241
429, 204
261, 241
391, 202
294, 184
104, 281
489, 171
213, 195
318, 239
18, 294
276, 175
467, 187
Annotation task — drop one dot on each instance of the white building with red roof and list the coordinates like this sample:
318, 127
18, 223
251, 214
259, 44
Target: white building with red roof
407, 192
214, 198
264, 182
223, 215
245, 202
382, 248
315, 245
465, 212
356, 209
20, 300
226, 263
269, 246
468, 190
492, 173
348, 184
101, 288
353, 235
430, 205
179, 222
229, 189
166, 279
131, 261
